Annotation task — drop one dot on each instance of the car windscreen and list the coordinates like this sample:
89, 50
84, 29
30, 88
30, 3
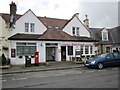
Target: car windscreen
102, 55
116, 54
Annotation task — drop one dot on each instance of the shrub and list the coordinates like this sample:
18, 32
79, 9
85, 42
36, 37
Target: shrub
0, 60
4, 60
20, 57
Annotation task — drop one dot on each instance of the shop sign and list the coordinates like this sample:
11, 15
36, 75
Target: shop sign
77, 44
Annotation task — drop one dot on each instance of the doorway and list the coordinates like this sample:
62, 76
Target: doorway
50, 54
63, 53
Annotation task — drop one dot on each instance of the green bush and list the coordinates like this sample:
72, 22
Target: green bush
0, 60
78, 62
3, 60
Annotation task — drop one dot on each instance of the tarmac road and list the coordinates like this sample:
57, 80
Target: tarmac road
67, 78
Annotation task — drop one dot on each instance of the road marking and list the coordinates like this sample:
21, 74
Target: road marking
23, 78
20, 79
90, 71
4, 80
114, 68
13, 79
102, 70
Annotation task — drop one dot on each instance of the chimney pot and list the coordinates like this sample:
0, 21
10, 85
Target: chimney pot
13, 10
86, 21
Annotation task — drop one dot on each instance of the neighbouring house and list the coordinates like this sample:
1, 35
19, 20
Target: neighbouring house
109, 39
53, 39
4, 34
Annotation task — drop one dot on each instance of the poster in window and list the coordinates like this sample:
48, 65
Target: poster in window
13, 53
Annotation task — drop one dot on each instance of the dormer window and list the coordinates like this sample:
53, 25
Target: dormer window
105, 35
32, 27
29, 27
75, 31
26, 27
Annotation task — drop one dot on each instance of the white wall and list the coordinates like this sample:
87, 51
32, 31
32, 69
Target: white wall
41, 48
75, 22
28, 17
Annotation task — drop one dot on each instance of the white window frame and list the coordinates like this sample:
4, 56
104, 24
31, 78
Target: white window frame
25, 45
30, 28
105, 35
75, 31
26, 27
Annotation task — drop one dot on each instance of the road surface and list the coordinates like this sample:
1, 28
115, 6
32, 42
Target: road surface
68, 78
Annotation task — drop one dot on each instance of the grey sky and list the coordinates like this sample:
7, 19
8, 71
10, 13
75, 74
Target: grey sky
100, 13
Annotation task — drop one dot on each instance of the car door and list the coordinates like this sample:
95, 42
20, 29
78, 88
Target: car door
116, 58
109, 60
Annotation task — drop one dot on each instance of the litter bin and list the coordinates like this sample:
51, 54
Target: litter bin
27, 61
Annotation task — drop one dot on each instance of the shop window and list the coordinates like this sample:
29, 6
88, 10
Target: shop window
26, 48
107, 49
77, 52
70, 50
81, 49
86, 49
91, 49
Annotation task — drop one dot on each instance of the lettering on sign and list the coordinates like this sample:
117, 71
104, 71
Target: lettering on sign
77, 44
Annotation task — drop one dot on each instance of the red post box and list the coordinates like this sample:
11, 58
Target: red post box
36, 57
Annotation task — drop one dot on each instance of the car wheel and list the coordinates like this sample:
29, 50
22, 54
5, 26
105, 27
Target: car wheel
100, 65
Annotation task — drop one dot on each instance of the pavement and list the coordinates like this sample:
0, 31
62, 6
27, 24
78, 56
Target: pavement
49, 66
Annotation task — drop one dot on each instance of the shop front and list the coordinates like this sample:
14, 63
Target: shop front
49, 50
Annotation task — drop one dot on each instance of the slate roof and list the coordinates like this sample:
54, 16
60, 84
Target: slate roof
113, 35
115, 32
59, 35
6, 17
51, 35
20, 36
54, 22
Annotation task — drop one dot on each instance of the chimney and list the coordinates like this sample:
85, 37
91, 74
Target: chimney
13, 9
76, 14
86, 21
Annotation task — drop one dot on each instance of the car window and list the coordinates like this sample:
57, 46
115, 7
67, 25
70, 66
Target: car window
116, 54
102, 55
110, 55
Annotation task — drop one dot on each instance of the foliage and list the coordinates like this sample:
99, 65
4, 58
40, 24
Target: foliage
20, 57
78, 62
3, 60
4, 47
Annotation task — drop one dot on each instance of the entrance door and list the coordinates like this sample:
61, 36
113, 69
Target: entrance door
50, 53
63, 53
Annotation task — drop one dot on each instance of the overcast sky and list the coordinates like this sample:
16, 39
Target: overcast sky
101, 13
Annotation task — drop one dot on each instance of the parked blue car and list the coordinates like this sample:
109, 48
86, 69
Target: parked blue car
104, 60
